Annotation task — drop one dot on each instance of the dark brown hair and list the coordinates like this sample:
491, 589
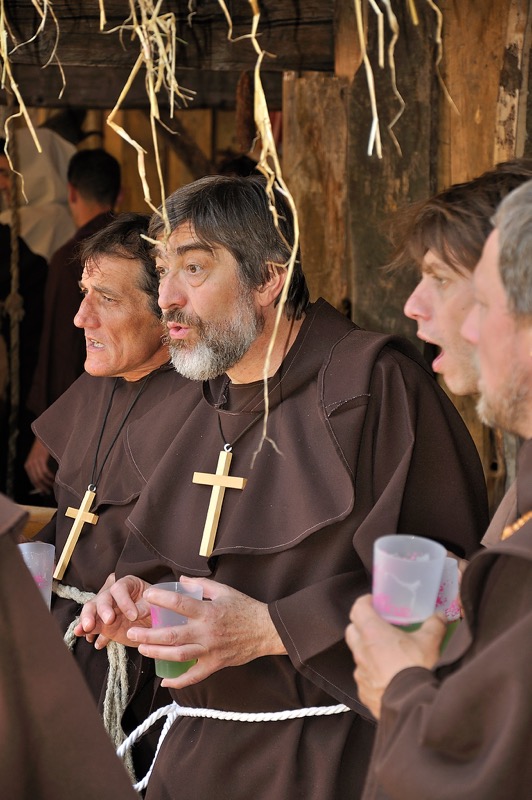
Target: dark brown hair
456, 222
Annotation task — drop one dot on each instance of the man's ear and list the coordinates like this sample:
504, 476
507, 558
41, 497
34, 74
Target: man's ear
72, 194
272, 288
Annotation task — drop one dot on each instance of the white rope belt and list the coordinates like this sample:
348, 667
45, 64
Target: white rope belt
174, 710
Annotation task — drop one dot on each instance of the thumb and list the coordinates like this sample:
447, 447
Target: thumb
434, 627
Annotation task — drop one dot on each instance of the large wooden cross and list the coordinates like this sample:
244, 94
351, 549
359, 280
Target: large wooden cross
219, 482
81, 515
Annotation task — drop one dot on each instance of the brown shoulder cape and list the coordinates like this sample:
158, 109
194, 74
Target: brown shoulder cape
465, 727
52, 742
70, 430
368, 444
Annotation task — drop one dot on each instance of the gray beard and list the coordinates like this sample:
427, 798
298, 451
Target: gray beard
509, 411
221, 345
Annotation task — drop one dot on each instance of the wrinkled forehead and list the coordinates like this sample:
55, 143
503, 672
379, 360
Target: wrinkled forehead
183, 239
111, 267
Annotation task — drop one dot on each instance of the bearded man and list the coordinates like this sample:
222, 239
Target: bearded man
355, 439
462, 721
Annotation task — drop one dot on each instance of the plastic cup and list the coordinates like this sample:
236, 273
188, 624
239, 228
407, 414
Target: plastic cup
407, 573
165, 618
448, 600
39, 558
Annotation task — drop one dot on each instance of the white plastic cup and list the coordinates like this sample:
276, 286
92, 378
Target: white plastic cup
165, 618
39, 558
407, 573
447, 600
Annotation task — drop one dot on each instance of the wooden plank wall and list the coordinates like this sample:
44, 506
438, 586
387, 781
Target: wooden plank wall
485, 69
346, 195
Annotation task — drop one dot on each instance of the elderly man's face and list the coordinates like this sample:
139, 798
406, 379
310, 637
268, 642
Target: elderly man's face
503, 346
439, 304
122, 334
210, 317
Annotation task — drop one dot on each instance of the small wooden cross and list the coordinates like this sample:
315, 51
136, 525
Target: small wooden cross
219, 482
81, 515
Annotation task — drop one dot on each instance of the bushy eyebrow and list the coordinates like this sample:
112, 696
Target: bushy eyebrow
183, 249
100, 289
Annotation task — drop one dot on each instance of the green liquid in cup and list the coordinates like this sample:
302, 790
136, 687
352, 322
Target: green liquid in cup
414, 626
173, 669
451, 627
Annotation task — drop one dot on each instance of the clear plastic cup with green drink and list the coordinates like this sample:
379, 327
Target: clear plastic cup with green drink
165, 618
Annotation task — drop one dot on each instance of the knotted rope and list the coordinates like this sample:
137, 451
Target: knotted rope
117, 689
174, 710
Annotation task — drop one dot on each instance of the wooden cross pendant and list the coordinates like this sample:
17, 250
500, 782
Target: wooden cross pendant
81, 515
219, 482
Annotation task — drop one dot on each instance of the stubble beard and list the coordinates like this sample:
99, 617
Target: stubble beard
220, 345
509, 410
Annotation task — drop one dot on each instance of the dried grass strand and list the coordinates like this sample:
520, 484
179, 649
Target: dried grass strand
374, 141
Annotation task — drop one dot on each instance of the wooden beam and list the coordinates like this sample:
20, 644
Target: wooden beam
100, 87
300, 36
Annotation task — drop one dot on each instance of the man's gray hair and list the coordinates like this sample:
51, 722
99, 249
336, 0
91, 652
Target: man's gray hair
513, 220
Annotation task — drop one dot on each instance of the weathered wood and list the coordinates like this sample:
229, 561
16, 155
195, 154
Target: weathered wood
314, 163
100, 87
474, 57
378, 187
513, 84
300, 35
344, 196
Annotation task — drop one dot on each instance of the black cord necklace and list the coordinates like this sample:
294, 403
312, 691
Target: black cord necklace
83, 514
228, 446
96, 477
219, 405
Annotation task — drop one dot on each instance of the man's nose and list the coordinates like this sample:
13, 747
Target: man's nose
171, 293
416, 307
86, 317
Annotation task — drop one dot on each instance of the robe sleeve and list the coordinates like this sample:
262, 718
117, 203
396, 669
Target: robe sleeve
49, 725
417, 471
465, 727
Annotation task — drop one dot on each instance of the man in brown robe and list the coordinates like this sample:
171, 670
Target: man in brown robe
444, 236
127, 372
93, 188
360, 441
460, 726
52, 742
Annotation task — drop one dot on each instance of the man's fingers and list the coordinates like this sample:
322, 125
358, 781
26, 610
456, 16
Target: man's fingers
434, 627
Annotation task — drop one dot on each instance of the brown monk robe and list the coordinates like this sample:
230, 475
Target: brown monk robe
463, 731
52, 742
368, 445
70, 430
